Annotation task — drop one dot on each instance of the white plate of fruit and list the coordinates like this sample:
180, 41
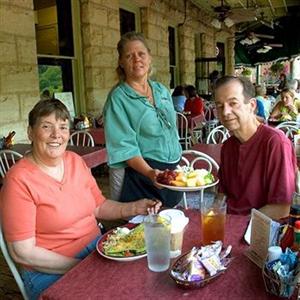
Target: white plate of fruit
186, 179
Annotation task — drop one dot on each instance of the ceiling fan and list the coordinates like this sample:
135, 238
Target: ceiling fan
251, 38
263, 47
230, 16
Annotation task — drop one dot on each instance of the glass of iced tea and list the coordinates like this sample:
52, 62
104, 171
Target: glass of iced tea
213, 217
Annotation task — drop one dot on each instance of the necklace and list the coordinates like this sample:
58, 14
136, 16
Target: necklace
143, 89
56, 172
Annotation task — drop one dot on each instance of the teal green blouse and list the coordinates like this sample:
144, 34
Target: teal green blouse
134, 127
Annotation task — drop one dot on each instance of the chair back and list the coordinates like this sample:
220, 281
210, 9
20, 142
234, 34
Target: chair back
82, 138
7, 159
290, 128
183, 130
218, 135
199, 160
14, 270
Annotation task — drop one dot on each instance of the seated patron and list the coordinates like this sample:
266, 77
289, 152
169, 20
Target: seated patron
258, 162
260, 95
285, 110
49, 203
179, 98
194, 104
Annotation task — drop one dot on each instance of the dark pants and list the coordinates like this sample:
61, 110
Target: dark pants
137, 186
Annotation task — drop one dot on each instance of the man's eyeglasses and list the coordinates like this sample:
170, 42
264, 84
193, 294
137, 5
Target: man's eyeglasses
162, 116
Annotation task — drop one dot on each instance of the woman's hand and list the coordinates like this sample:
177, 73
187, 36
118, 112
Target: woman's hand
146, 206
153, 173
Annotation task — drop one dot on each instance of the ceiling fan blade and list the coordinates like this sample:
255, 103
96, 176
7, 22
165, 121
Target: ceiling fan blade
264, 36
274, 45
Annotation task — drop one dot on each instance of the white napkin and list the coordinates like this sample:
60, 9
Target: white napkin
137, 219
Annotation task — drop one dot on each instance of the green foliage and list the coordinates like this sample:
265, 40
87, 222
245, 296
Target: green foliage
50, 78
277, 68
246, 72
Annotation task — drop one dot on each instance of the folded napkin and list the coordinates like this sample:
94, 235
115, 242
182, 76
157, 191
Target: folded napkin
137, 219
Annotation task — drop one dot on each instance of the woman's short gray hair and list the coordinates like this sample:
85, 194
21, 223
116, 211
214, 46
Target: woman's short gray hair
45, 108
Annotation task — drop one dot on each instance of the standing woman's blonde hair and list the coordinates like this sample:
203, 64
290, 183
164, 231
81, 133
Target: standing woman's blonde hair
125, 38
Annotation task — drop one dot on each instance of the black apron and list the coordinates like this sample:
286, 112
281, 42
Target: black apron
137, 186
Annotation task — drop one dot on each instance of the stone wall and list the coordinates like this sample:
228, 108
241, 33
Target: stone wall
99, 20
19, 86
100, 34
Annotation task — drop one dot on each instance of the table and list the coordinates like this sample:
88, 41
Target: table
213, 150
93, 156
97, 134
99, 278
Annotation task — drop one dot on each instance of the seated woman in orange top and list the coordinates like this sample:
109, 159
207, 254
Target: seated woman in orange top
49, 203
194, 104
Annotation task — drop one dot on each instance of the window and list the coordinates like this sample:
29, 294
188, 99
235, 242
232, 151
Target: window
172, 57
57, 63
127, 21
129, 16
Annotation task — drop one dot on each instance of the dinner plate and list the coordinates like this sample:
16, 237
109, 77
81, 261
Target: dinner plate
99, 247
186, 188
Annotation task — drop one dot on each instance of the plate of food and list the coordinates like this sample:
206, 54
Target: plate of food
186, 179
125, 243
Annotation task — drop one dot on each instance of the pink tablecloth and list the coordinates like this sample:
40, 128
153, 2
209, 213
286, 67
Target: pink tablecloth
99, 278
98, 135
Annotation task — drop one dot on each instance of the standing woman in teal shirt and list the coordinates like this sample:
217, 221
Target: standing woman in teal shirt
140, 127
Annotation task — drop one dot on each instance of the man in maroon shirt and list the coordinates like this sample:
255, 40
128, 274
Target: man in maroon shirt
258, 163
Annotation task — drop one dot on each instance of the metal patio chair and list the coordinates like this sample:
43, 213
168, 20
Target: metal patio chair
7, 159
81, 138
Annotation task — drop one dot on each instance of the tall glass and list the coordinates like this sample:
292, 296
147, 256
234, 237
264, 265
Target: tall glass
157, 239
213, 217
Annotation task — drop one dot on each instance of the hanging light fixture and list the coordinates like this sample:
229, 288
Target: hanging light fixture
216, 23
228, 22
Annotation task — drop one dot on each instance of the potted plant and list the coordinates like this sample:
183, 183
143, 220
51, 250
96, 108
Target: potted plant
277, 68
246, 72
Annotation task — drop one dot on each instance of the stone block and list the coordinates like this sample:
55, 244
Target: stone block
94, 14
111, 38
110, 78
9, 108
113, 19
153, 45
100, 57
20, 79
8, 51
27, 102
111, 4
21, 3
163, 49
96, 99
94, 78
26, 50
92, 35
17, 21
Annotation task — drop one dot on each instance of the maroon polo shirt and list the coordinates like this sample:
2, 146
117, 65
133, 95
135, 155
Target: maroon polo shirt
258, 172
